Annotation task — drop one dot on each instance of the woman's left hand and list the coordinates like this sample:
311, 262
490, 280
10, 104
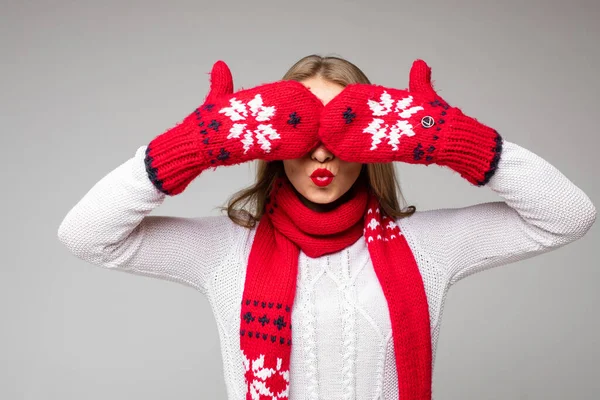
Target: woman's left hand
375, 124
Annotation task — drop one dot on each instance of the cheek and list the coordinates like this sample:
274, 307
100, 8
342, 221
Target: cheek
291, 168
351, 172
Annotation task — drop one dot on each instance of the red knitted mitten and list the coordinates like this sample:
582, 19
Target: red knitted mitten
375, 124
274, 121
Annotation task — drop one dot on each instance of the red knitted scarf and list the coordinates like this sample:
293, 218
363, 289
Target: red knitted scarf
288, 227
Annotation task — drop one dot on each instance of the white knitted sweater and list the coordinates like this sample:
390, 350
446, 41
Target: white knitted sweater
343, 347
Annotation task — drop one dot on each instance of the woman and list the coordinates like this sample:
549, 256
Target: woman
320, 241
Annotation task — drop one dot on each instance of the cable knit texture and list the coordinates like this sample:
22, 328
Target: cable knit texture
343, 347
371, 123
274, 121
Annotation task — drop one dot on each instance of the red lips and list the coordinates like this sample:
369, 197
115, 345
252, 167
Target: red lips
321, 173
322, 177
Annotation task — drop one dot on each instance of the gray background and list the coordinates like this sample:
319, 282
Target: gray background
83, 84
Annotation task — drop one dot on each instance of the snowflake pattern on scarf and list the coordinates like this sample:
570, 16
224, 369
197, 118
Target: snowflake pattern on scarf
385, 230
261, 379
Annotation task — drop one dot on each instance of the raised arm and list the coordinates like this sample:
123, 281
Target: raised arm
110, 227
541, 211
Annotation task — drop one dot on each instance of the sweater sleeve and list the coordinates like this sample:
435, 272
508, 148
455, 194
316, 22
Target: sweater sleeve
541, 210
110, 227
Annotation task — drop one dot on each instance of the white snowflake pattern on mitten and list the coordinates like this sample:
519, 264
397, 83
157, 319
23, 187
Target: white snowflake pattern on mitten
264, 133
379, 129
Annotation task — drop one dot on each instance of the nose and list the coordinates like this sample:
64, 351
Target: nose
321, 154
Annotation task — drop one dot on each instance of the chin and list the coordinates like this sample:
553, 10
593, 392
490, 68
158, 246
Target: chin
322, 195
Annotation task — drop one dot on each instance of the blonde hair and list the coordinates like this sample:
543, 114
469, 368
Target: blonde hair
247, 206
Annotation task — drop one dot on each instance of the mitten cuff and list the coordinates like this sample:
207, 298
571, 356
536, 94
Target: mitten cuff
173, 159
471, 148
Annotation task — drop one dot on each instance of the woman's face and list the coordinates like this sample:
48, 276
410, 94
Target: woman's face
319, 176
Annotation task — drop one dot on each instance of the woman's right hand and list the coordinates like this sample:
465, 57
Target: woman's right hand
274, 121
